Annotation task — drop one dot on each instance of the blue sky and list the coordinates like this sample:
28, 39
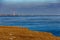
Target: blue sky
30, 6
30, 0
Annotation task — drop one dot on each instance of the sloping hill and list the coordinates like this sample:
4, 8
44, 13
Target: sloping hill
17, 33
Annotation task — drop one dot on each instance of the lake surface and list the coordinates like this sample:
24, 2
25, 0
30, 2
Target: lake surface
36, 23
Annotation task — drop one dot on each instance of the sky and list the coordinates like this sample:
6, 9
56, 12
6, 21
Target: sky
30, 6
22, 1
28, 1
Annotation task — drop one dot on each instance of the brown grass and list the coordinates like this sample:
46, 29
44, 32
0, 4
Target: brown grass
16, 33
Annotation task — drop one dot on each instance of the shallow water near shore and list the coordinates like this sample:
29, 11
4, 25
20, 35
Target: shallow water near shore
36, 23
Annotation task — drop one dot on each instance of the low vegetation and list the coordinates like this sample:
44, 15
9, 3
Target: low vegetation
17, 33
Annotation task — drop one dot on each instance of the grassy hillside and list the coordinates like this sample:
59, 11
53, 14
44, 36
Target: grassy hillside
17, 33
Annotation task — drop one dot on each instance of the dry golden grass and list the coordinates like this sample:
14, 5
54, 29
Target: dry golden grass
17, 33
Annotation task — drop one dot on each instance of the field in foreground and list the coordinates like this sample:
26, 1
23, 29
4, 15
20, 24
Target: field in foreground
17, 33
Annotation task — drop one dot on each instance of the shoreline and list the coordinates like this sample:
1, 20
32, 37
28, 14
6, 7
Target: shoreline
21, 33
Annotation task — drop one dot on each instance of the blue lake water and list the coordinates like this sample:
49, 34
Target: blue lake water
36, 23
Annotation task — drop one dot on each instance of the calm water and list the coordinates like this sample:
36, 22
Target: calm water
37, 23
